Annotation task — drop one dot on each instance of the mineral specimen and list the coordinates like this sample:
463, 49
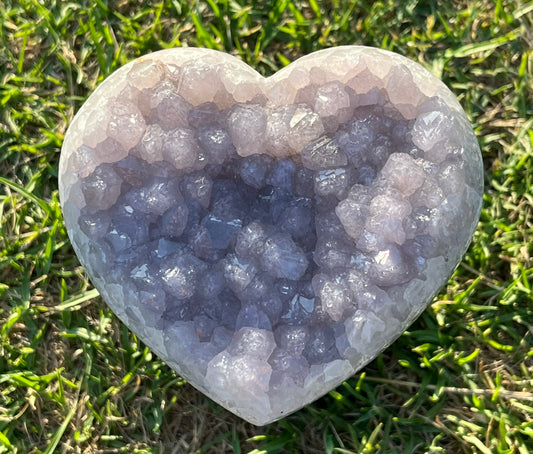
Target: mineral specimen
268, 237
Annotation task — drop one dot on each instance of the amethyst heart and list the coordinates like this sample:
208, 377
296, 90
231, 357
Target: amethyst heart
268, 237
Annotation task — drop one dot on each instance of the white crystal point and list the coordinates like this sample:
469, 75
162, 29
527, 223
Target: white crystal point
268, 237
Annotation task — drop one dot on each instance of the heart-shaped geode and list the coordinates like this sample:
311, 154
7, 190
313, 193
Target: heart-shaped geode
268, 237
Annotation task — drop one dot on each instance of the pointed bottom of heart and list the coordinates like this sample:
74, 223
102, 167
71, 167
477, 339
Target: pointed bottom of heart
248, 374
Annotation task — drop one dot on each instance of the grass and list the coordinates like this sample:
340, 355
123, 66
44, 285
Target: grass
73, 379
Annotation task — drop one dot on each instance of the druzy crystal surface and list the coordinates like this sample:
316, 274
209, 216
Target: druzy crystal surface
268, 237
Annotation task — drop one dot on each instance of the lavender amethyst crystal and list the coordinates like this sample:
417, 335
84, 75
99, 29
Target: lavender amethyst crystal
267, 238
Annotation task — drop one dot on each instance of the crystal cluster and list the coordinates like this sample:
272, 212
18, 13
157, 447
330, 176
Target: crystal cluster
269, 237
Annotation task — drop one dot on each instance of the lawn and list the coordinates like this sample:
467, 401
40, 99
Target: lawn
73, 379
